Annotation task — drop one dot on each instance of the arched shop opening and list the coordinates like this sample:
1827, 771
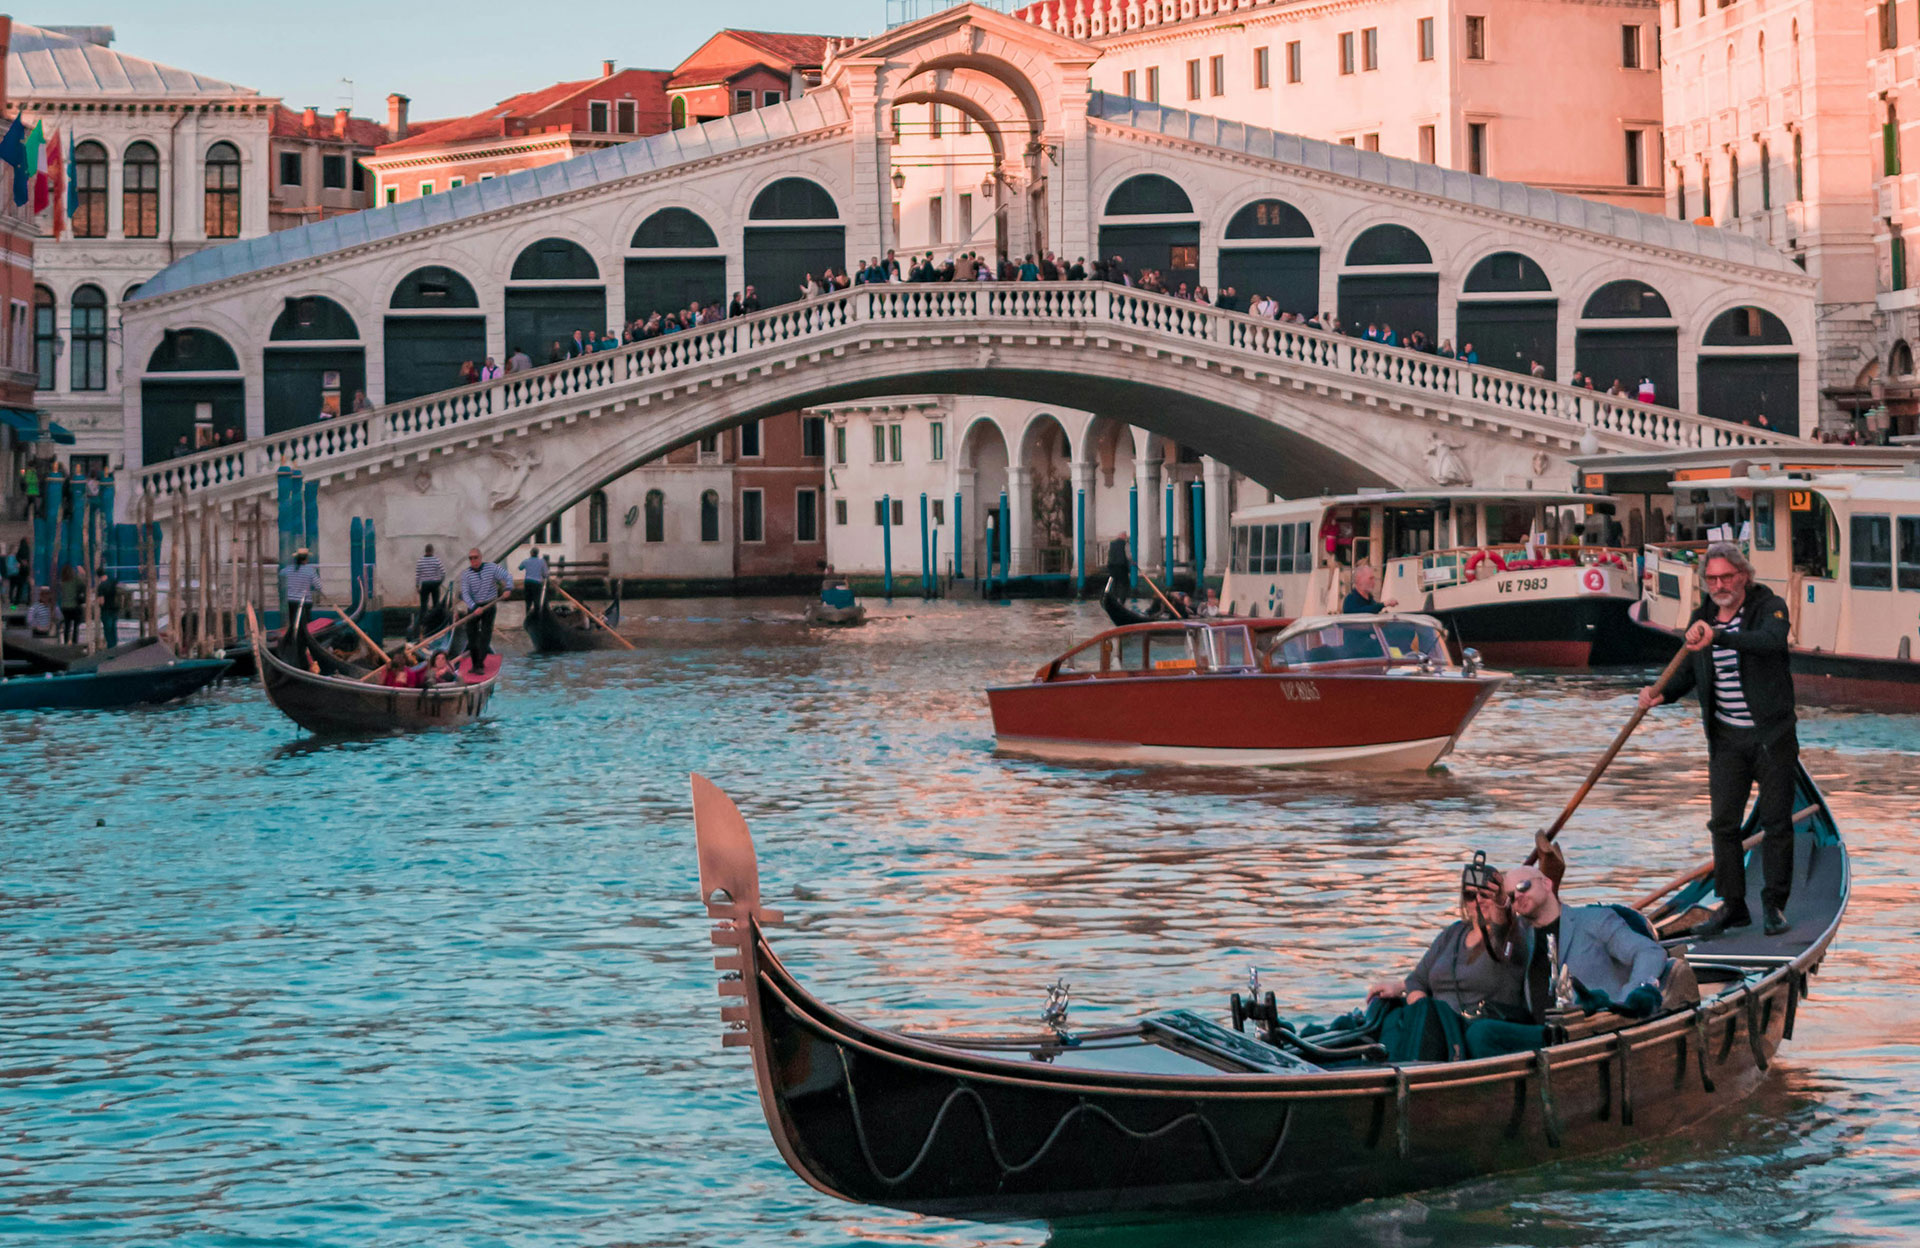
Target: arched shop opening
679, 264
1508, 312
1269, 249
1150, 224
1627, 334
430, 332
553, 290
192, 397
315, 363
786, 242
1400, 286
1748, 369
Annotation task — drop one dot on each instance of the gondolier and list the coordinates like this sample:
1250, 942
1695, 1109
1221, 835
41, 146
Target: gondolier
533, 572
429, 574
1739, 668
482, 582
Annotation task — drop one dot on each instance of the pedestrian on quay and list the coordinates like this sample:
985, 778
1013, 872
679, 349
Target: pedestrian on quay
429, 574
1739, 668
73, 604
482, 582
533, 574
30, 488
106, 588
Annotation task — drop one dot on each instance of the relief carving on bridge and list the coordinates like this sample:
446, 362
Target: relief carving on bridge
1445, 466
517, 465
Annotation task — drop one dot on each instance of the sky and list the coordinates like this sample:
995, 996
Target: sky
450, 59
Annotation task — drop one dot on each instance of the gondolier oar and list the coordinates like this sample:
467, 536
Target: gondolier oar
427, 641
586, 611
385, 662
1619, 740
1178, 614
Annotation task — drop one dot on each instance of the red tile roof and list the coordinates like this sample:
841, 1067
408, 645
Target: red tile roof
709, 75
288, 124
521, 114
796, 50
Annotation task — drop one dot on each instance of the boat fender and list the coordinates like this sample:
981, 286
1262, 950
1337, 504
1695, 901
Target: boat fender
1480, 556
1549, 1112
1625, 1049
1756, 1032
1700, 1047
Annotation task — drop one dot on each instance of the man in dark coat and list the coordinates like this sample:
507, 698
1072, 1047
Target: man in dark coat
1739, 667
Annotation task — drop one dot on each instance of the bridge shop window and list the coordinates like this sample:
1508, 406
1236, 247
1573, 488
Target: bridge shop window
1167, 246
1269, 249
1508, 312
794, 233
1406, 300
1748, 368
1626, 335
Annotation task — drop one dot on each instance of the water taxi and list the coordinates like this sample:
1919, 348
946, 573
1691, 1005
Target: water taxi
1371, 692
1833, 530
1530, 578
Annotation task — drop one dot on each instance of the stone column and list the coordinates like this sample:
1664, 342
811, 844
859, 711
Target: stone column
1219, 480
971, 527
1085, 544
1146, 476
1020, 519
253, 370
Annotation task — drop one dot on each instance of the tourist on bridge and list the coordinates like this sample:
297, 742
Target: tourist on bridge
1363, 598
1739, 668
482, 582
533, 573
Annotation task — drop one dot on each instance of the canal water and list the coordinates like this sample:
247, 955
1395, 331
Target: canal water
456, 988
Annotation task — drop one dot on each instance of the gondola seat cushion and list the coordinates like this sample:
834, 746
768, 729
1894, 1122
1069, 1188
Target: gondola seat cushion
839, 597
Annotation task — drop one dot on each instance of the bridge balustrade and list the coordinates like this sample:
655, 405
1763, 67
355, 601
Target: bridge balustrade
1068, 307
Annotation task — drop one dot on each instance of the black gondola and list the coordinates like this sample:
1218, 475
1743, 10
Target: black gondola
1177, 1113
1122, 615
560, 627
336, 701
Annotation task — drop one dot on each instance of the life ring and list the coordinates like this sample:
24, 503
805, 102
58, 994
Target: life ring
1480, 556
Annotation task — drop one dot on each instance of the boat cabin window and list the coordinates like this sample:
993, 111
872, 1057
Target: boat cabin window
1763, 520
1508, 524
1815, 539
1232, 648
1273, 549
1909, 569
1697, 513
1870, 552
1408, 640
1088, 660
1467, 526
1155, 650
1330, 644
1409, 531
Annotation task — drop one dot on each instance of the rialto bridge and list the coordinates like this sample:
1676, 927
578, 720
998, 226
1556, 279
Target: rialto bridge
388, 301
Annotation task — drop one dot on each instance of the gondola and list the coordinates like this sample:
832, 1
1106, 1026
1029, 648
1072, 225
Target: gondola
337, 702
141, 674
1122, 615
562, 628
323, 632
1177, 1113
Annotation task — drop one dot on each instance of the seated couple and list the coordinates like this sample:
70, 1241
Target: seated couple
405, 673
1487, 982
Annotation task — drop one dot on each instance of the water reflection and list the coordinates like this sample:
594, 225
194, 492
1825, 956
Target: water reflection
456, 988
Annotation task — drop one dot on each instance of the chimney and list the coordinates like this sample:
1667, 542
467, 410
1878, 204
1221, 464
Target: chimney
606, 69
340, 119
396, 117
310, 119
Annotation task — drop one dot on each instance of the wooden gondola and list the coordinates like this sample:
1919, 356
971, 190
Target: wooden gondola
145, 674
561, 628
323, 632
1176, 1113
1122, 615
339, 703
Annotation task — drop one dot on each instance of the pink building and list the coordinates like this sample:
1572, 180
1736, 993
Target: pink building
1562, 94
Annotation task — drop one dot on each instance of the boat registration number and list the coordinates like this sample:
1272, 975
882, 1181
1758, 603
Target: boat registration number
1520, 584
1300, 690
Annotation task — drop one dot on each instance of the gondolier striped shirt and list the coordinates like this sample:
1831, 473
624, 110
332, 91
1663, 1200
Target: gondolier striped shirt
1729, 698
480, 586
301, 581
428, 570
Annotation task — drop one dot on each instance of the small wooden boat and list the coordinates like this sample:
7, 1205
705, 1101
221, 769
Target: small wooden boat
339, 703
1177, 1113
1355, 691
836, 606
561, 628
1122, 613
141, 675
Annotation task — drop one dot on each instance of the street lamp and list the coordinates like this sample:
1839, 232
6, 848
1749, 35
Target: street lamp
899, 180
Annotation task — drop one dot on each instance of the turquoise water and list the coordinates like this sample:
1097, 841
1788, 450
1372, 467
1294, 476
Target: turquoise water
456, 988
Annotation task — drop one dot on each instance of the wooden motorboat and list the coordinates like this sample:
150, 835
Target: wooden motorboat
1355, 691
561, 628
1180, 1114
338, 702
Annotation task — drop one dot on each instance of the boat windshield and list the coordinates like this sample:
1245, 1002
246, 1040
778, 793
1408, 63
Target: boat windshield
1384, 640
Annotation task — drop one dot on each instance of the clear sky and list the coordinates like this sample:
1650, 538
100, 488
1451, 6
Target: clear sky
452, 59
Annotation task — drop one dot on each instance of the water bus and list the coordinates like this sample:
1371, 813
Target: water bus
1833, 530
1527, 577
1372, 692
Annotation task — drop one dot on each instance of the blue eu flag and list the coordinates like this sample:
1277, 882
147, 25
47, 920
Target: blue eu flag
13, 150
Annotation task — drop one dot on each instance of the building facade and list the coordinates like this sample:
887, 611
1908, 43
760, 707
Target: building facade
1893, 89
19, 422
737, 71
1563, 94
1769, 133
167, 162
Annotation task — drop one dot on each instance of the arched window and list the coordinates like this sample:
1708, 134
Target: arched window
710, 516
1389, 244
794, 199
313, 318
678, 111
192, 351
1149, 194
1900, 362
1760, 61
90, 191
140, 192
1506, 271
597, 516
656, 516
223, 191
554, 259
1733, 185
1766, 177
46, 337
1706, 188
89, 325
674, 227
1269, 218
1680, 191
1747, 327
434, 287
1628, 300
1799, 171
1793, 70
1890, 141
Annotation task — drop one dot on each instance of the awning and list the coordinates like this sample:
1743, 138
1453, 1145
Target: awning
26, 426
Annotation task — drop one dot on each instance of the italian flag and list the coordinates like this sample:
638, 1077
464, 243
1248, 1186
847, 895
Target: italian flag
37, 166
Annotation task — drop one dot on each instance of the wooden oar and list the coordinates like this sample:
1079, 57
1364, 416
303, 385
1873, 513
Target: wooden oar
1619, 740
427, 641
1178, 614
588, 612
372, 645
